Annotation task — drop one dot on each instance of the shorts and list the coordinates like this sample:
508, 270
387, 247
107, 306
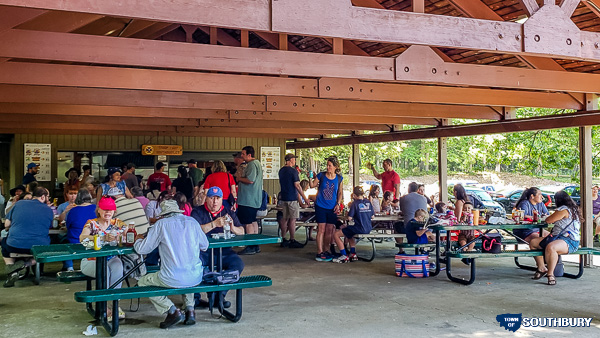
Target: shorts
466, 236
246, 215
7, 249
571, 243
325, 215
524, 233
290, 209
399, 228
351, 231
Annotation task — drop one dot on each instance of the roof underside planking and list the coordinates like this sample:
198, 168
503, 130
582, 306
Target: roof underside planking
287, 68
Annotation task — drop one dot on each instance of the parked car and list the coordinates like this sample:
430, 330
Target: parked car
573, 191
484, 197
508, 198
489, 188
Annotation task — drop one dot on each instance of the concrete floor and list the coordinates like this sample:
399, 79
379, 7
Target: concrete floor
310, 298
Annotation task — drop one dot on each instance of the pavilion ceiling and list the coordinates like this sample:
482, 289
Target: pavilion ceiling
287, 68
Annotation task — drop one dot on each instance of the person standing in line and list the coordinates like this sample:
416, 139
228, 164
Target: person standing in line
291, 191
32, 170
195, 173
129, 176
160, 177
250, 195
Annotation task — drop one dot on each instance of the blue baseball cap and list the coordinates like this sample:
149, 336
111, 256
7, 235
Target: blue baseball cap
31, 165
214, 191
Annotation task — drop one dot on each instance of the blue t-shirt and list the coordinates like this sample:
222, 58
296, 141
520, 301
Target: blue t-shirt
203, 216
411, 232
61, 208
30, 223
528, 208
76, 219
287, 177
328, 190
361, 212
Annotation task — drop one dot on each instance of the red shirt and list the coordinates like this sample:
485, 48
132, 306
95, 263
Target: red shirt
162, 178
221, 180
388, 181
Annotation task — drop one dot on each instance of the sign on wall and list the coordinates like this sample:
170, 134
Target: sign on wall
270, 158
161, 149
40, 154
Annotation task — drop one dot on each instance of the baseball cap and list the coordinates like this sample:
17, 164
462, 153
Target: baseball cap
214, 191
192, 161
107, 203
290, 156
32, 165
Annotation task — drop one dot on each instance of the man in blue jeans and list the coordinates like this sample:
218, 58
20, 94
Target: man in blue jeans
212, 216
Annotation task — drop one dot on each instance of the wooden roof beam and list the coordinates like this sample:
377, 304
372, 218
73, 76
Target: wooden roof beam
593, 5
569, 6
194, 114
11, 17
531, 6
587, 118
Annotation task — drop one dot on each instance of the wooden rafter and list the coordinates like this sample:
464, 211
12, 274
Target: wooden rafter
569, 6
531, 6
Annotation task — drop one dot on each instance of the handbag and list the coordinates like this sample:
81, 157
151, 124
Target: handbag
130, 261
491, 243
549, 239
231, 198
223, 277
412, 266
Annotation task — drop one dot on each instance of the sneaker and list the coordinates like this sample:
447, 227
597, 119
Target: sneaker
596, 238
341, 259
294, 244
466, 261
285, 243
353, 257
249, 250
256, 249
431, 266
323, 257
70, 269
10, 281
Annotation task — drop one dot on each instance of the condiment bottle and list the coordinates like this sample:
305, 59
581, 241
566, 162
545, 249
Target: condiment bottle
131, 234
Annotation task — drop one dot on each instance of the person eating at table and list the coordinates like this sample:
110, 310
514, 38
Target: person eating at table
374, 198
416, 232
28, 224
531, 202
115, 186
564, 238
104, 225
77, 215
361, 211
327, 206
63, 208
212, 216
180, 240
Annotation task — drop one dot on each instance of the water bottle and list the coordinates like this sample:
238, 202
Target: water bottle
227, 227
115, 234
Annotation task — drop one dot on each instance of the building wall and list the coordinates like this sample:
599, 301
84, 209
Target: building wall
132, 143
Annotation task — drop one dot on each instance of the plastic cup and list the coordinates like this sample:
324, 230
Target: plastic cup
475, 216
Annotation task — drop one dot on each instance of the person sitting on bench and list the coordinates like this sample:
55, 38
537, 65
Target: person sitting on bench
212, 216
361, 211
28, 224
179, 239
416, 233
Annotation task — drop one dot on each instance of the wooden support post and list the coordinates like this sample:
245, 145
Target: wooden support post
585, 180
338, 46
510, 113
283, 41
443, 165
214, 40
355, 164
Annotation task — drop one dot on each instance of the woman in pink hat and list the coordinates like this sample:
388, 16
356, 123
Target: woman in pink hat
103, 225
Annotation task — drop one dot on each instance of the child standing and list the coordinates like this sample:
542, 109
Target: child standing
416, 233
361, 212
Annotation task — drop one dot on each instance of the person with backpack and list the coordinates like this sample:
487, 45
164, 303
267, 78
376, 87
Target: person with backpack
327, 205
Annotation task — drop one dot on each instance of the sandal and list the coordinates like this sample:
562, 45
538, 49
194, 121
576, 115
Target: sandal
551, 280
539, 274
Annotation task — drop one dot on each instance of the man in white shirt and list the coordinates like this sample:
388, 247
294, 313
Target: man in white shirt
179, 240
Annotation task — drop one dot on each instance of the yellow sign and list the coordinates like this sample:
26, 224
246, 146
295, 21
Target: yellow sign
160, 149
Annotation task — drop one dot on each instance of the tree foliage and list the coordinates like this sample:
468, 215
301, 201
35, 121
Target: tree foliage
536, 153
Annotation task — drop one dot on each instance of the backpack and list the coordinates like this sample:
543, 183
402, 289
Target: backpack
476, 200
265, 201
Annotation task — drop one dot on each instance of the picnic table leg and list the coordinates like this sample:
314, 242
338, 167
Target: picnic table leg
238, 308
580, 273
36, 281
89, 306
101, 267
113, 327
460, 280
370, 259
524, 267
437, 255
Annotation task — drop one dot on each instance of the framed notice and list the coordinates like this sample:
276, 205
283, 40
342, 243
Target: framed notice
40, 154
270, 158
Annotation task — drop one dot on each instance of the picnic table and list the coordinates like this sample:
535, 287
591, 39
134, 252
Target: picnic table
62, 252
472, 255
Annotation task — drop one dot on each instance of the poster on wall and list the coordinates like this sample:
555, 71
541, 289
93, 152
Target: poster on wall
271, 162
40, 154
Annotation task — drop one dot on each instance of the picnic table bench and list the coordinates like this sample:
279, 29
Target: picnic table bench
114, 295
473, 255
